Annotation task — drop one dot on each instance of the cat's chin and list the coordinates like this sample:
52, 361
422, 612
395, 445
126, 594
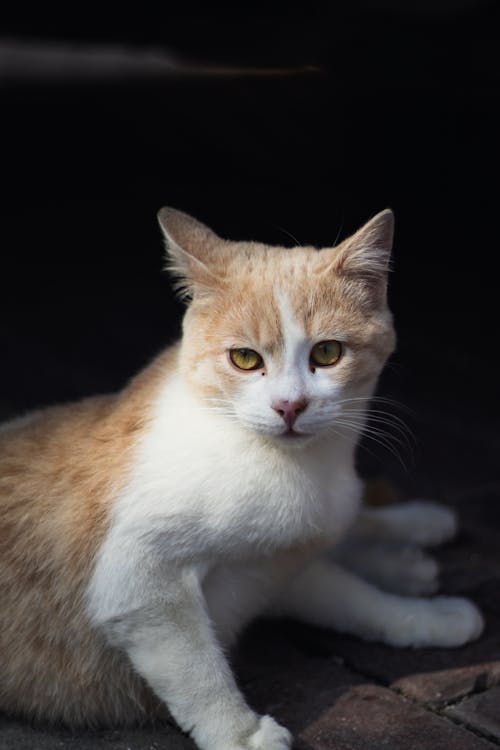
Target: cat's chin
293, 435
292, 438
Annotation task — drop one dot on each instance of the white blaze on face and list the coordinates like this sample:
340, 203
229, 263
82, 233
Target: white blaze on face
290, 380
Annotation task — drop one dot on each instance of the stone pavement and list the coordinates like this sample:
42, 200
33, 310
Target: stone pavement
338, 692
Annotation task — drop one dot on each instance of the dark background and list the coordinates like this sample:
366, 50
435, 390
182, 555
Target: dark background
268, 125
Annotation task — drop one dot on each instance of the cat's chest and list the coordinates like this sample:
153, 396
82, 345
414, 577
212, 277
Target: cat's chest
202, 495
201, 487
216, 492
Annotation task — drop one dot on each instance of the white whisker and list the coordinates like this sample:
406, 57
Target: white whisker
379, 437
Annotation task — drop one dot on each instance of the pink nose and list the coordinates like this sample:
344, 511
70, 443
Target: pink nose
289, 410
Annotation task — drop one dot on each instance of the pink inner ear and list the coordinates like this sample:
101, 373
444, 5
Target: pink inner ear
366, 254
192, 253
188, 233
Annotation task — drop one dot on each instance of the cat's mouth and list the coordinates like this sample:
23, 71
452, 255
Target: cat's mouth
291, 434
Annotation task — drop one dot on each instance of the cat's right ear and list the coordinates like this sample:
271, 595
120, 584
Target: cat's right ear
190, 246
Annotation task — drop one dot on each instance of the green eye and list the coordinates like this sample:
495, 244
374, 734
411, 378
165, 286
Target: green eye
326, 353
246, 359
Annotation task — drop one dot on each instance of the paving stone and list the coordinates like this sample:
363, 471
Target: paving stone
267, 648
370, 718
326, 707
481, 712
436, 689
16, 735
433, 677
303, 691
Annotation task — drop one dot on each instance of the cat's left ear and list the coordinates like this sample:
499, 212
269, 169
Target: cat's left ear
366, 254
191, 247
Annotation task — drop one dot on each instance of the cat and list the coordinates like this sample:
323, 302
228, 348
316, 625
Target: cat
141, 531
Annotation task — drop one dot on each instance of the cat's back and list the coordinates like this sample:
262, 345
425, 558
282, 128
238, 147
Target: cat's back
52, 463
60, 469
76, 453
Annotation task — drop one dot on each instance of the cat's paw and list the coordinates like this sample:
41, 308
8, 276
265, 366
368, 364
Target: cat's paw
254, 732
422, 522
269, 736
395, 566
412, 572
444, 622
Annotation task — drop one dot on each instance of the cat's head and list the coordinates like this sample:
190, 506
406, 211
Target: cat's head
287, 342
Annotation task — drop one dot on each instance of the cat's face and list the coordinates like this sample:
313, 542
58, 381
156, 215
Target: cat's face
287, 342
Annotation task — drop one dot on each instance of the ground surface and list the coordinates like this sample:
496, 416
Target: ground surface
337, 692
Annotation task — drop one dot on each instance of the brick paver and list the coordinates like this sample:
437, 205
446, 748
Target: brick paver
16, 735
370, 718
480, 712
327, 706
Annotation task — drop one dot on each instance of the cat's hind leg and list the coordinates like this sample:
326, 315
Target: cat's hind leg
394, 566
385, 545
327, 595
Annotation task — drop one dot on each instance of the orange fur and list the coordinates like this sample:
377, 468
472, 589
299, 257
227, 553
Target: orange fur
58, 474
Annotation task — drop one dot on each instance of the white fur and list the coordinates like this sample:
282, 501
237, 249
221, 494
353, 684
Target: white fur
204, 489
296, 346
215, 525
385, 545
420, 521
327, 595
287, 377
209, 508
400, 567
220, 519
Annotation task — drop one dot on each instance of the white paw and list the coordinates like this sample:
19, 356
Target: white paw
395, 566
422, 522
262, 733
444, 622
269, 736
413, 572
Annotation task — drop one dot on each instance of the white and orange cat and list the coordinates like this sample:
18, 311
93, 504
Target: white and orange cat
140, 532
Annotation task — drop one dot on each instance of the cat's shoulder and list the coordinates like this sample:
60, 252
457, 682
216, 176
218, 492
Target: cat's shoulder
98, 431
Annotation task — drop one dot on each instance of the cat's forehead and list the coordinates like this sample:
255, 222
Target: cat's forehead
274, 269
257, 258
277, 293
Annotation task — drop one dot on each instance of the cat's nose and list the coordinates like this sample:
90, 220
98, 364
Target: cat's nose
289, 410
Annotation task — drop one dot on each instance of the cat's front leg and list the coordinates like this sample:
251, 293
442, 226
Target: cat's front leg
171, 643
327, 595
